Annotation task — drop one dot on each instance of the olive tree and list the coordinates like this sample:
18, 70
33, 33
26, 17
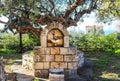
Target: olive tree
28, 15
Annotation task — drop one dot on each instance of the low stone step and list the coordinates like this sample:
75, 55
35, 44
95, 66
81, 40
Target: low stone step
56, 75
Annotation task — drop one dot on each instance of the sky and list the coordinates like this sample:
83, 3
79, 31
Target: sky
3, 19
91, 20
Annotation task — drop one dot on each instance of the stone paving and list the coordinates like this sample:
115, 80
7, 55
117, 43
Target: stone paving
21, 73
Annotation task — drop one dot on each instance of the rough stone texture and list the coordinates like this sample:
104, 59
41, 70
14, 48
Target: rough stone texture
55, 65
66, 41
41, 51
2, 72
22, 74
46, 65
42, 73
72, 50
38, 73
55, 50
39, 58
72, 65
80, 58
38, 50
50, 58
27, 61
56, 77
58, 57
36, 58
47, 51
42, 57
39, 65
64, 50
63, 65
35, 50
45, 73
70, 58
43, 41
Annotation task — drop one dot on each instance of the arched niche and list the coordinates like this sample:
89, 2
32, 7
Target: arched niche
55, 38
44, 38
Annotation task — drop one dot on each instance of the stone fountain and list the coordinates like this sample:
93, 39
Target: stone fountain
54, 60
55, 55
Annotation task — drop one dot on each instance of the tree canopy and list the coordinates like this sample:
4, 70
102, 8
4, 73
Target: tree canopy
29, 15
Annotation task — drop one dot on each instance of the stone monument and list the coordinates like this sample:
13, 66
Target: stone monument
54, 52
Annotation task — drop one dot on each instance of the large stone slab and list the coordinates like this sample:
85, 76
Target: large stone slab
44, 73
64, 50
58, 58
70, 58
72, 65
50, 58
39, 65
55, 50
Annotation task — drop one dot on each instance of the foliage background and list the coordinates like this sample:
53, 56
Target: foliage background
84, 42
11, 42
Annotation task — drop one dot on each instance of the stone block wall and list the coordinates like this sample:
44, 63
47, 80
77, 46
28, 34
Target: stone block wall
27, 61
55, 52
54, 58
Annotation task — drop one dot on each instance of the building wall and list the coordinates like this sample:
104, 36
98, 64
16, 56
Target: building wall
94, 30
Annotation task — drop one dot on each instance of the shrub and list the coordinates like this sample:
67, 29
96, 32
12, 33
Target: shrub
11, 42
117, 53
87, 42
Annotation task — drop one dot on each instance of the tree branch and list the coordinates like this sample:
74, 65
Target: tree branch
53, 6
21, 18
30, 29
3, 22
81, 13
44, 8
73, 7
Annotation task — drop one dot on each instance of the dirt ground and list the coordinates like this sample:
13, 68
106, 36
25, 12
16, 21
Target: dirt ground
108, 72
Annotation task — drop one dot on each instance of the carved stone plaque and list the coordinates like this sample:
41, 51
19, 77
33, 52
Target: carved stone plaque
55, 38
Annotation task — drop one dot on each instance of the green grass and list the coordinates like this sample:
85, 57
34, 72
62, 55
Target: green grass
101, 60
9, 54
7, 51
107, 66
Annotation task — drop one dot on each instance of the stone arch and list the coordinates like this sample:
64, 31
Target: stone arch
46, 30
